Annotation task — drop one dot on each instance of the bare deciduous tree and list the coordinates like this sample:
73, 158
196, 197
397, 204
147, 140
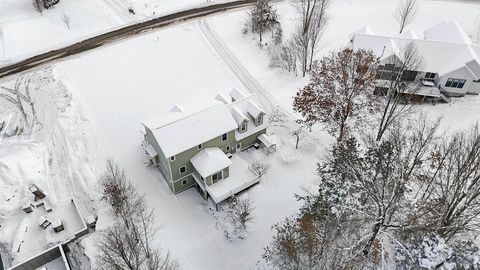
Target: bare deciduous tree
449, 197
405, 13
66, 20
128, 244
238, 213
259, 168
401, 84
313, 19
38, 6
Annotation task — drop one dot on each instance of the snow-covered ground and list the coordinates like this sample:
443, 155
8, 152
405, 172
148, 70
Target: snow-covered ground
25, 33
112, 90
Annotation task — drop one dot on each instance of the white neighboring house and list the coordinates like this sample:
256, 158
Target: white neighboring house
451, 62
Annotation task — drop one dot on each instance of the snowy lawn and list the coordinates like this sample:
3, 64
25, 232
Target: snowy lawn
177, 66
25, 33
117, 87
55, 158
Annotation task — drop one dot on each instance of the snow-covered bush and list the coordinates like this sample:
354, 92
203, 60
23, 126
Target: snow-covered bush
259, 168
234, 218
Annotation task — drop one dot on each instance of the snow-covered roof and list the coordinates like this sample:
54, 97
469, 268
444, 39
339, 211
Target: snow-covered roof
365, 30
237, 94
246, 108
448, 31
438, 56
222, 99
253, 109
409, 34
268, 141
177, 132
238, 115
177, 108
240, 178
209, 161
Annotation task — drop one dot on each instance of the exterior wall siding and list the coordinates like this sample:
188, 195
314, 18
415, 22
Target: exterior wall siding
163, 164
183, 159
179, 187
461, 73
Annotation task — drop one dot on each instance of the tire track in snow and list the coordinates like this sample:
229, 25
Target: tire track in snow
250, 83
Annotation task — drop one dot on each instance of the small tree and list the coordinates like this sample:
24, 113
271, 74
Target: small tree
38, 6
263, 17
340, 90
312, 22
299, 132
405, 13
128, 243
66, 20
238, 213
259, 168
401, 85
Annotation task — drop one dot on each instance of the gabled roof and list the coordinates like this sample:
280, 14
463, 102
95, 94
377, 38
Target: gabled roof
177, 132
409, 34
439, 56
238, 116
246, 108
209, 161
448, 31
253, 109
237, 94
222, 99
365, 30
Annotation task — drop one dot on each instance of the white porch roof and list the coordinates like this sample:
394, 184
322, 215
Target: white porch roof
268, 141
209, 161
240, 178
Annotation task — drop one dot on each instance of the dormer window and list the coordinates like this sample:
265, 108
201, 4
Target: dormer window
243, 126
259, 120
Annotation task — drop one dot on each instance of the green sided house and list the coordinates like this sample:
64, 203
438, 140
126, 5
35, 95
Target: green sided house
198, 148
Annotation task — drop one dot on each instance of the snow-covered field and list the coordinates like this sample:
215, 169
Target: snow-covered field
24, 32
111, 90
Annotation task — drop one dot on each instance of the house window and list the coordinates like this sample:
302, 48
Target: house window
430, 75
388, 72
243, 126
217, 176
172, 158
239, 146
227, 148
409, 75
200, 146
259, 119
182, 169
455, 83
184, 182
224, 137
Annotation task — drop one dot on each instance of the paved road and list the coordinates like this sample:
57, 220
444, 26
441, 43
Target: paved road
125, 32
